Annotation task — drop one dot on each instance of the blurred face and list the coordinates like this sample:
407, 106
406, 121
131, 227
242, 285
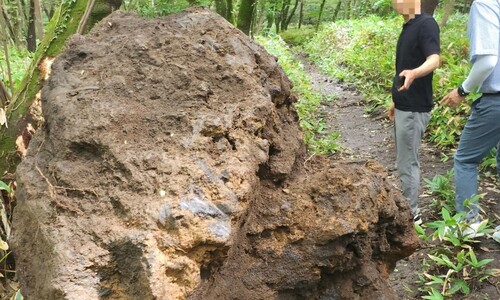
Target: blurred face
407, 8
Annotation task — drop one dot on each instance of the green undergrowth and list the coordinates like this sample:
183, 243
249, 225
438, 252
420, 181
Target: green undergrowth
298, 37
317, 139
362, 52
20, 60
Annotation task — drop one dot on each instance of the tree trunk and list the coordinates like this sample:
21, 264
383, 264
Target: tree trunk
230, 16
19, 21
277, 21
260, 19
4, 95
31, 37
301, 14
353, 8
448, 9
320, 14
245, 15
221, 8
347, 10
291, 14
61, 27
5, 23
7, 59
38, 19
336, 12
284, 13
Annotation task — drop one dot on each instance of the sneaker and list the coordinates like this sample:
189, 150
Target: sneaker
417, 220
471, 230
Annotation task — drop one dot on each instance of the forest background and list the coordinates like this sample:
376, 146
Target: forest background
351, 40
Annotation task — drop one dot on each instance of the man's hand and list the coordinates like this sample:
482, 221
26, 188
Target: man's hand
453, 99
391, 112
409, 77
430, 64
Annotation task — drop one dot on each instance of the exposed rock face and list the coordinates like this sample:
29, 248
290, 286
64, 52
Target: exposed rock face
171, 166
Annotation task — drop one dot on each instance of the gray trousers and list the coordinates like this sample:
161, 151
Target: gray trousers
409, 128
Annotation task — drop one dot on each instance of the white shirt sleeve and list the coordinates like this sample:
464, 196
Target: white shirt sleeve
481, 69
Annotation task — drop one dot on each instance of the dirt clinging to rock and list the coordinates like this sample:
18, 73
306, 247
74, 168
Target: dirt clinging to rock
171, 166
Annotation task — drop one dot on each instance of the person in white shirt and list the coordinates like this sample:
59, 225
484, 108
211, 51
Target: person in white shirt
482, 130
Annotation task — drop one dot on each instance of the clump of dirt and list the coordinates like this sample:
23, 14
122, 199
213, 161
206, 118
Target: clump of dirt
333, 231
171, 165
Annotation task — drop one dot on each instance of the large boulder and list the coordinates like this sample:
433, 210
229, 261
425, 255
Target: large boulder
171, 166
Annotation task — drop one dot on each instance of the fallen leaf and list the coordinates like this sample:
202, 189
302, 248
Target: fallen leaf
3, 245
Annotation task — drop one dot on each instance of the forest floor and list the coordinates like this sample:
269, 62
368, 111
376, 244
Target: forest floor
370, 136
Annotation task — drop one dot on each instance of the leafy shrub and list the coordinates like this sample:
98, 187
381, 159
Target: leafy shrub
443, 190
298, 37
453, 268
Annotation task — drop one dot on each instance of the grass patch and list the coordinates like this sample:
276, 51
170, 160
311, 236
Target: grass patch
298, 37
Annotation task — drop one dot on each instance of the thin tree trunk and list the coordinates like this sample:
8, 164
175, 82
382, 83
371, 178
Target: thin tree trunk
291, 14
21, 20
448, 9
336, 12
260, 17
7, 59
38, 19
284, 13
85, 18
31, 37
301, 14
277, 18
5, 21
320, 14
4, 95
253, 27
48, 11
230, 16
245, 15
347, 9
277, 22
221, 8
353, 6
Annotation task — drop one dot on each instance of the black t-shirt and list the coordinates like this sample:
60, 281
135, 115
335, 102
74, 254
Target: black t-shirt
418, 39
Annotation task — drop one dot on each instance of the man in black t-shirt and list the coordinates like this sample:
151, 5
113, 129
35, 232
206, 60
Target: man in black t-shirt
417, 56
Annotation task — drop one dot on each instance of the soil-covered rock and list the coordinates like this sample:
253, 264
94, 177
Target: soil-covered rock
171, 165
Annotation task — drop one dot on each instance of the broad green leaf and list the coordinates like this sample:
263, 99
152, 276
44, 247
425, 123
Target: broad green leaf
4, 186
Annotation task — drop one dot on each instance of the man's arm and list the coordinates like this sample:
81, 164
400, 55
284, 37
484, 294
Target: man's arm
481, 69
431, 63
